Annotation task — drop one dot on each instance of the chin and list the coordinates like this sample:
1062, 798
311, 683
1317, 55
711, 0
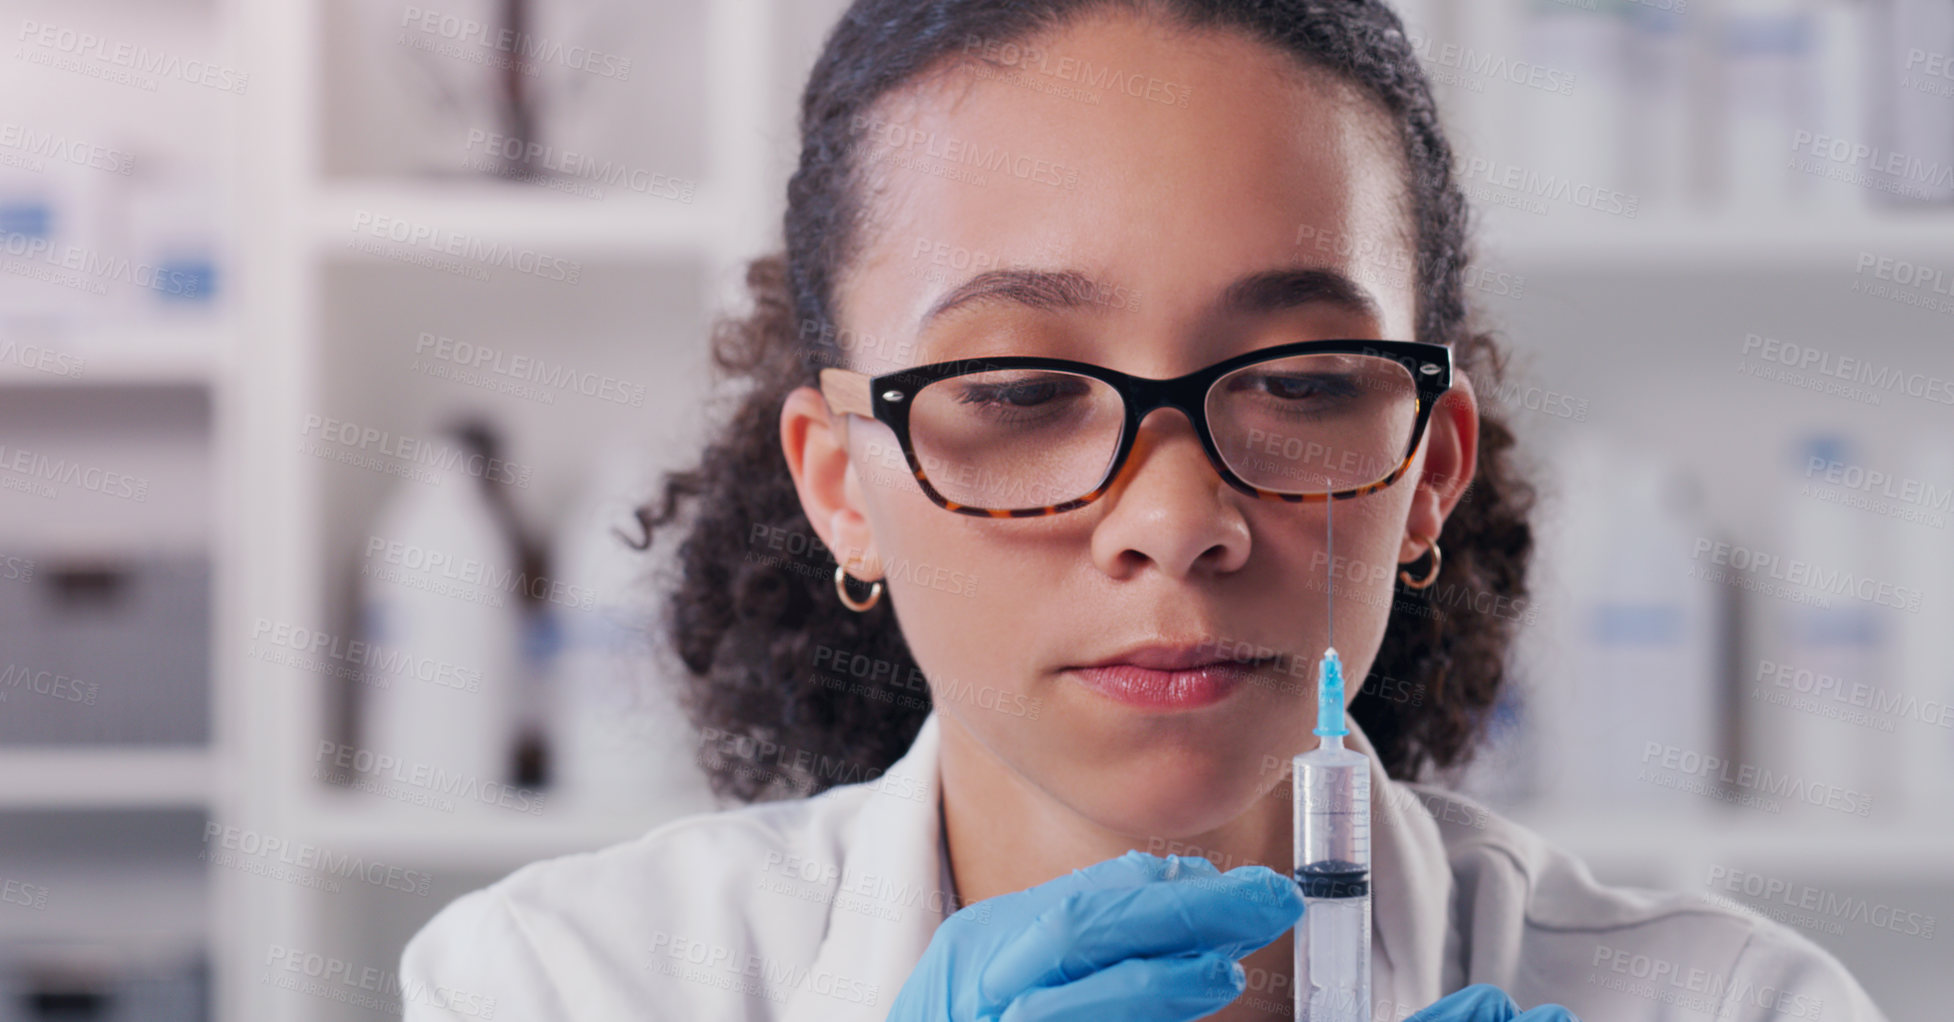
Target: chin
1173, 794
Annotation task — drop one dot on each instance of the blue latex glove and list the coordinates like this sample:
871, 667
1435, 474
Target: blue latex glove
1137, 937
1483, 1002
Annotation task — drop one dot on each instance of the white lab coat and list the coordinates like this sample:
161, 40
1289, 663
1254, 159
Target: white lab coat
818, 908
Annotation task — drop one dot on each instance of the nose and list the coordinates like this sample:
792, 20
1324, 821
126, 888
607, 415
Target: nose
1170, 507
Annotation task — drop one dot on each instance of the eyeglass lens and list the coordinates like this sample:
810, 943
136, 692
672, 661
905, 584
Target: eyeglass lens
1026, 438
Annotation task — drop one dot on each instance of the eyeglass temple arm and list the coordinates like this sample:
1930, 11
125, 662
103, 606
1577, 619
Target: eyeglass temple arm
847, 392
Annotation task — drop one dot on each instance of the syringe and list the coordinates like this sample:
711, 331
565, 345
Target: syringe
1332, 832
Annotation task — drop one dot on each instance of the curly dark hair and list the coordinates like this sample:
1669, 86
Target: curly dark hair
754, 627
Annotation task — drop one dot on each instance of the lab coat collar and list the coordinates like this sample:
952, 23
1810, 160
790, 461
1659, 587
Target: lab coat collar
895, 844
1411, 893
893, 849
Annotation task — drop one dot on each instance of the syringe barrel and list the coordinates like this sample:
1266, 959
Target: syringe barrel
1332, 869
1332, 811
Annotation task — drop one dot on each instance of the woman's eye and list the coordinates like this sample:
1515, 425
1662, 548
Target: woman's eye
1024, 394
1303, 387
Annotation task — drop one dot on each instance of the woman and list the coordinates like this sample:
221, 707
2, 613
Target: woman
1068, 699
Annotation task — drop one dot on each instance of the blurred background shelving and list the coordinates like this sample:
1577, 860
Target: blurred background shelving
294, 312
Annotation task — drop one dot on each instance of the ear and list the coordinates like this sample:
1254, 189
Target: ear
816, 445
1451, 456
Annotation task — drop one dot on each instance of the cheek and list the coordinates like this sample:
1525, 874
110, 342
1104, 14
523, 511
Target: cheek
954, 592
1356, 551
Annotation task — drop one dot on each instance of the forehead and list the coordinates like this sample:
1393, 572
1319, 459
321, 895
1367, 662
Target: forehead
1166, 162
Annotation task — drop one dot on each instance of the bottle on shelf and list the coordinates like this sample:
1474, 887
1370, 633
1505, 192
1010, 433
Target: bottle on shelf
1824, 648
1844, 53
1917, 102
445, 624
1922, 549
1764, 52
1660, 72
1574, 90
1633, 650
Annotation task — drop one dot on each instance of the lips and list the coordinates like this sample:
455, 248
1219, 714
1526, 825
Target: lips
1176, 676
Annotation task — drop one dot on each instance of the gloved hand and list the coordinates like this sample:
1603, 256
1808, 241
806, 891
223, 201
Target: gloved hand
1137, 937
1483, 1002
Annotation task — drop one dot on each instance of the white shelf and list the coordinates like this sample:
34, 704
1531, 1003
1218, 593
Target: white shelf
1920, 847
167, 353
1679, 240
122, 369
471, 837
104, 777
525, 215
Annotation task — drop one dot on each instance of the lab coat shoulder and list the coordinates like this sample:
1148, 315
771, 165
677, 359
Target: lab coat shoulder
663, 926
1533, 920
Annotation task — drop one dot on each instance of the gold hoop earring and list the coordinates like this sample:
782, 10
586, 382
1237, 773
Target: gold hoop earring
841, 589
1430, 576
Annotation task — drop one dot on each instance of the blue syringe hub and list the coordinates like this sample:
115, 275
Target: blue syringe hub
1329, 695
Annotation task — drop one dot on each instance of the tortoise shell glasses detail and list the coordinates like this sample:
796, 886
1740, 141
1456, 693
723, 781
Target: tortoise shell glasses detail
1023, 436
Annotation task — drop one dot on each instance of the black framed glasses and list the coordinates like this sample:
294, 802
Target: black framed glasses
1021, 436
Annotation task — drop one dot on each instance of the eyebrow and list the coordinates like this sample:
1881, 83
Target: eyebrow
1256, 294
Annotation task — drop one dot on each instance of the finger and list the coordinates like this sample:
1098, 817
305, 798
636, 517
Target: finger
1128, 870
1090, 930
1480, 1002
1546, 1013
1133, 868
1137, 989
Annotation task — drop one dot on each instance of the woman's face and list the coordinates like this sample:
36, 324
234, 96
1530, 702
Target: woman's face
1173, 167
